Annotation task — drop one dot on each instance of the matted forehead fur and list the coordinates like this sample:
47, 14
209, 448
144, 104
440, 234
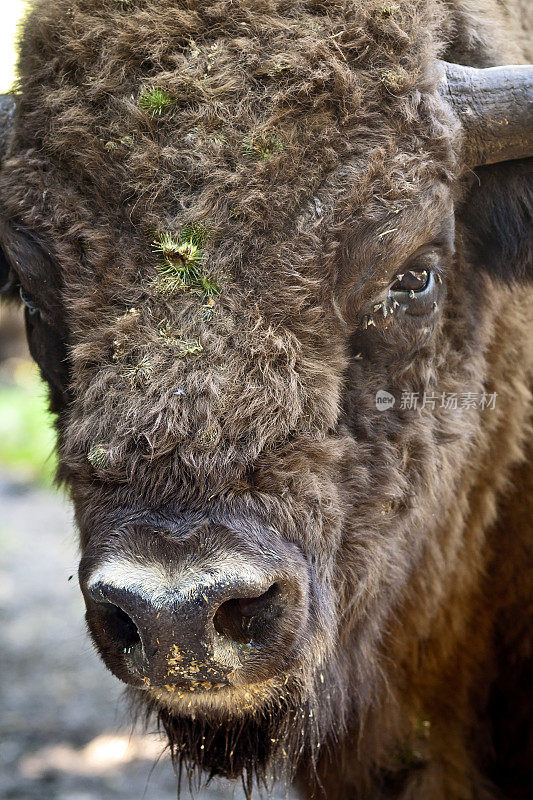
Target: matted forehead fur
295, 136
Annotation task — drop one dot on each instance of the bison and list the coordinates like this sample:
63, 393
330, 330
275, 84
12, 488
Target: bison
275, 259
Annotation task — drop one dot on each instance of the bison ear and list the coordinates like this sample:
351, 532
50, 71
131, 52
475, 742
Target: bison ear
497, 216
7, 113
7, 283
5, 272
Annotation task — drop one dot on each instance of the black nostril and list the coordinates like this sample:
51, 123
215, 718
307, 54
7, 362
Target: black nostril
234, 618
120, 627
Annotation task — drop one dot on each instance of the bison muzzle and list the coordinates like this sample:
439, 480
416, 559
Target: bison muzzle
191, 610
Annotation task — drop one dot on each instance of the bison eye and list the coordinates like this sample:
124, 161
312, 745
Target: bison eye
416, 292
31, 306
411, 281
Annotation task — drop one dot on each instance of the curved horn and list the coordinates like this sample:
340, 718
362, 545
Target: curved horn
495, 107
7, 112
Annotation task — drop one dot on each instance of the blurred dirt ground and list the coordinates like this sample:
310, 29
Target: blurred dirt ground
64, 729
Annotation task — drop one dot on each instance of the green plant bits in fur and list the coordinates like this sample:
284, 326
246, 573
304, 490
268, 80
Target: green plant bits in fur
156, 101
188, 347
187, 249
262, 146
182, 261
181, 268
390, 10
208, 286
99, 456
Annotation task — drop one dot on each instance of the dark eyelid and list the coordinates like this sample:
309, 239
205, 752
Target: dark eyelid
437, 249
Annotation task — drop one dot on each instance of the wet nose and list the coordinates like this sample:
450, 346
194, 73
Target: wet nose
196, 635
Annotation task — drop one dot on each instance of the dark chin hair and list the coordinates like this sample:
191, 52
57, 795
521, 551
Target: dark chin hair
233, 748
259, 747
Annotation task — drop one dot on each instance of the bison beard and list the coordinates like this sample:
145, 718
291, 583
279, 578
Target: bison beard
260, 746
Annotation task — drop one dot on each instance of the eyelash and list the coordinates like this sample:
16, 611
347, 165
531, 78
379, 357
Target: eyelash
28, 302
411, 276
410, 301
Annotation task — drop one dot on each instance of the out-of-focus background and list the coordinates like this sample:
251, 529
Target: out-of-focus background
64, 728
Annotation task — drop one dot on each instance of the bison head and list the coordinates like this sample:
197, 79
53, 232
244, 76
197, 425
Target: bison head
253, 285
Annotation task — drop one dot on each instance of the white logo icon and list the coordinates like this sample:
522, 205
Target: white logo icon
384, 400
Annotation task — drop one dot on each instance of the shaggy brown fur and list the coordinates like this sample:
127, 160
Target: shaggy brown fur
307, 141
